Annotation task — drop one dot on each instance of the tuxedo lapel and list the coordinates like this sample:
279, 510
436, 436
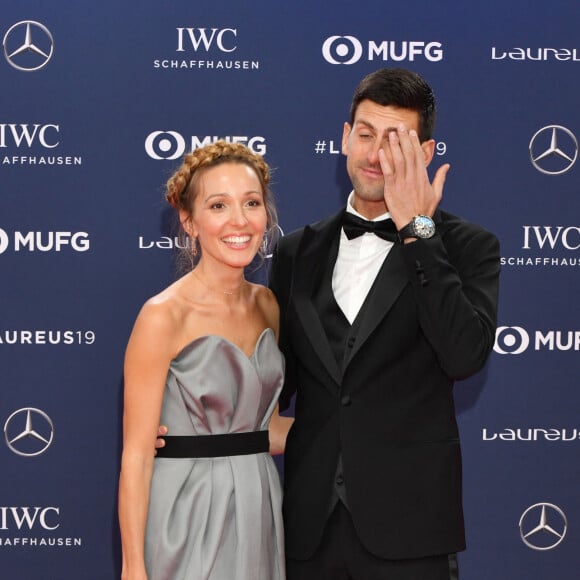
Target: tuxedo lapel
318, 248
389, 284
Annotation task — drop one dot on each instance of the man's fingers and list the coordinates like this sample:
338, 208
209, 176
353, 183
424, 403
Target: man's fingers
439, 180
418, 153
385, 165
397, 153
411, 149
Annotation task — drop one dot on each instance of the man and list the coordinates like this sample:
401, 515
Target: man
375, 332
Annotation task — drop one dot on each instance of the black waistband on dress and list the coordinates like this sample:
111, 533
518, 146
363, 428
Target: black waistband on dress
184, 446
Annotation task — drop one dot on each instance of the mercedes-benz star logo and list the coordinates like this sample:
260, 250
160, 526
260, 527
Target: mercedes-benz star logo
543, 526
28, 45
28, 432
553, 149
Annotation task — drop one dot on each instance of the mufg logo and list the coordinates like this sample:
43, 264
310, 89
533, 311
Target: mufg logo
172, 145
350, 50
34, 241
516, 340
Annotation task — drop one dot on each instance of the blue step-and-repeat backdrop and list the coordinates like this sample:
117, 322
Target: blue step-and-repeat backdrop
99, 100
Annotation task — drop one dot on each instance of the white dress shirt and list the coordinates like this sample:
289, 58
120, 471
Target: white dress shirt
357, 265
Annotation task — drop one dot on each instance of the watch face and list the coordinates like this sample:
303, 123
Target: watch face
424, 226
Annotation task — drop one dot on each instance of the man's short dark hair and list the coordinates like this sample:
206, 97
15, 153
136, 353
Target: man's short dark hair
402, 88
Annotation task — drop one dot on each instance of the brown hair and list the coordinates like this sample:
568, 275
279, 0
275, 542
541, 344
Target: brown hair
402, 88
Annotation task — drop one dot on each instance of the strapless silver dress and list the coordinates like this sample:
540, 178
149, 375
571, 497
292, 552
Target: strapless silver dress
218, 518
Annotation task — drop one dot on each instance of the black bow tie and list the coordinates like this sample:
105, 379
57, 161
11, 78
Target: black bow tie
354, 227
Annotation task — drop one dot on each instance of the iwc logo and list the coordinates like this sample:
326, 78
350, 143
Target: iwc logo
543, 526
28, 432
553, 150
28, 45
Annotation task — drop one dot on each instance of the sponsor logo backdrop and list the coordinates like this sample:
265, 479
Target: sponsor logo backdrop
99, 101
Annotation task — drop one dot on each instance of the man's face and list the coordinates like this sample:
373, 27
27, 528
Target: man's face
361, 144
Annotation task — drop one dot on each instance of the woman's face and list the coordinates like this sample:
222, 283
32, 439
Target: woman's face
229, 214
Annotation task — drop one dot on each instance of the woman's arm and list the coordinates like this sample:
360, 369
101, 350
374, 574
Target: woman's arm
146, 363
279, 426
278, 431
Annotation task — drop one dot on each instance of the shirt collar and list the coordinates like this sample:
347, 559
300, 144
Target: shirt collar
351, 209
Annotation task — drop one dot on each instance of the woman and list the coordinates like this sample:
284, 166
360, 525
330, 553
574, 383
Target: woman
203, 358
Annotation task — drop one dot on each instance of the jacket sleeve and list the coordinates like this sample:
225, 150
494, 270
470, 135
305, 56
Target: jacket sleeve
280, 282
455, 279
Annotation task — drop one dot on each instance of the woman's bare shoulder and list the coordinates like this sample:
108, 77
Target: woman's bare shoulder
267, 305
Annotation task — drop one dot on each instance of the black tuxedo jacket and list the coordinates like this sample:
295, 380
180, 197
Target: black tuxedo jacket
429, 319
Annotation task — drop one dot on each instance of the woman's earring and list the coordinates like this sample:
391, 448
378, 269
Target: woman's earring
264, 245
193, 246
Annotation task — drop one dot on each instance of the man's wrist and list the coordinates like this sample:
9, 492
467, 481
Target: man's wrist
420, 227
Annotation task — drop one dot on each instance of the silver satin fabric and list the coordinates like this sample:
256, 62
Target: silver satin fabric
218, 518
